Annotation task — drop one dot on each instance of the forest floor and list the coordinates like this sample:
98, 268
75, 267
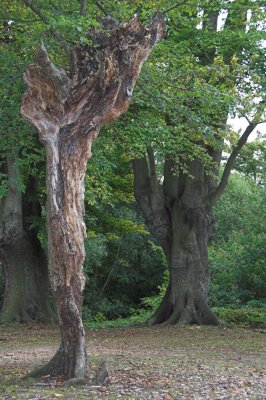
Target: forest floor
144, 363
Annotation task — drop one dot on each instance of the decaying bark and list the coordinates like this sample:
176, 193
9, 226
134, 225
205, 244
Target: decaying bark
23, 260
68, 114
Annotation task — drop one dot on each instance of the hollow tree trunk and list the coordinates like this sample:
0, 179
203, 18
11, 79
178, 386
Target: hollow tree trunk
23, 260
68, 114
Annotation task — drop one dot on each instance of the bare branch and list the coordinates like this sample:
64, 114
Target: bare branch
173, 7
55, 34
214, 197
101, 7
247, 119
111, 271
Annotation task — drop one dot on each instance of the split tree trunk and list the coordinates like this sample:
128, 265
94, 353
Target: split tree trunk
180, 219
178, 213
23, 260
186, 299
68, 114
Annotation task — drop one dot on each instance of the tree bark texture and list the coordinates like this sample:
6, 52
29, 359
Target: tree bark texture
68, 114
23, 260
179, 217
179, 212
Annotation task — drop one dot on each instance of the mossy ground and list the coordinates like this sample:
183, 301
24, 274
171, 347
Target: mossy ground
144, 363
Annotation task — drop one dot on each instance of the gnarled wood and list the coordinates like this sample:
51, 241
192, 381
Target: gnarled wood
179, 212
68, 114
179, 217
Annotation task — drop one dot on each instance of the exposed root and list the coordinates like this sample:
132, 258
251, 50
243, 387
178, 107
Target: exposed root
75, 382
188, 310
54, 367
164, 310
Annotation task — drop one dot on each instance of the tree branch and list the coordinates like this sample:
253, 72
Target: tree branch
26, 21
152, 166
111, 271
83, 5
214, 197
171, 180
150, 198
101, 7
173, 7
142, 186
69, 52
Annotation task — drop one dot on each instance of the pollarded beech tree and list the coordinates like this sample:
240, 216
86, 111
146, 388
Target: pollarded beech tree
68, 110
176, 199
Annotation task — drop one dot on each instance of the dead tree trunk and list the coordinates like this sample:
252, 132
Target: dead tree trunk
68, 114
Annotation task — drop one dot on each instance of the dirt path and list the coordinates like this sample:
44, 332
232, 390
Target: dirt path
191, 363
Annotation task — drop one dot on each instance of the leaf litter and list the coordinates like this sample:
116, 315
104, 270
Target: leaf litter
160, 363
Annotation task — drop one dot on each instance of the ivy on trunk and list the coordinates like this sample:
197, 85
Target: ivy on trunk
68, 112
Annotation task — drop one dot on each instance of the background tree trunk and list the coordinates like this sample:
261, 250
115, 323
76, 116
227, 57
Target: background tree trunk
178, 215
68, 114
178, 212
186, 300
23, 260
26, 282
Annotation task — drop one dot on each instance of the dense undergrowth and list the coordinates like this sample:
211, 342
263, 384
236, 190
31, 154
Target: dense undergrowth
245, 316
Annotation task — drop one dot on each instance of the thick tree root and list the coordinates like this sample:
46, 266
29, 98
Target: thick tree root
55, 367
75, 382
185, 312
163, 312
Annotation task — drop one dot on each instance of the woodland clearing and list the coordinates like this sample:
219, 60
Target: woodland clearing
143, 362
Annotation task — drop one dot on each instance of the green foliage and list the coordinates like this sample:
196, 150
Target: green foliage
248, 317
119, 272
237, 257
251, 161
245, 316
173, 110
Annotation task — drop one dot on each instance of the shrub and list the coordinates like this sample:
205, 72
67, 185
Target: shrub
244, 316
